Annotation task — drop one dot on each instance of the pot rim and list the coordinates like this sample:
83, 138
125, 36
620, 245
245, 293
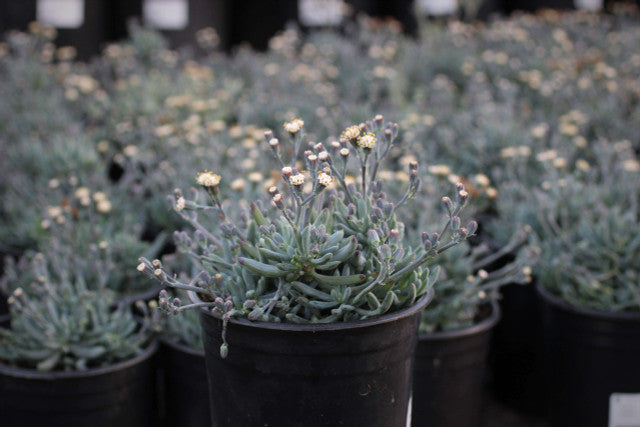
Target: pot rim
417, 307
34, 374
170, 342
561, 304
478, 328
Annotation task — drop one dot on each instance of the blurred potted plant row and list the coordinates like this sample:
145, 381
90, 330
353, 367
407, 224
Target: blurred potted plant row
275, 194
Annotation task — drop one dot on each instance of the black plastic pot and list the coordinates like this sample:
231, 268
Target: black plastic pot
449, 374
184, 379
87, 33
352, 374
119, 395
167, 17
591, 355
400, 10
254, 22
516, 355
5, 320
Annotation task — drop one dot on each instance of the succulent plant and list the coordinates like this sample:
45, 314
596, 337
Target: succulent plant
324, 255
93, 233
58, 324
588, 233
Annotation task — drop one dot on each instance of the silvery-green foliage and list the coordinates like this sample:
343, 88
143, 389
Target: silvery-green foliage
467, 278
588, 233
93, 233
319, 254
59, 324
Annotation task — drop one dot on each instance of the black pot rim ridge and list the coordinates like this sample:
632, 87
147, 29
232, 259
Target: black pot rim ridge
479, 327
417, 306
559, 303
14, 371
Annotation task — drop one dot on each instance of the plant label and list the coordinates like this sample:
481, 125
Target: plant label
437, 7
316, 13
166, 14
64, 14
624, 410
589, 5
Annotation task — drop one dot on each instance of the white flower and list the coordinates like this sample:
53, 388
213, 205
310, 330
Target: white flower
82, 193
294, 126
208, 179
367, 140
547, 155
324, 179
297, 179
104, 206
344, 152
351, 133
237, 184
255, 177
440, 170
180, 203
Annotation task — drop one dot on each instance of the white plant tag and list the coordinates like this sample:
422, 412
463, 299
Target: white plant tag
589, 5
314, 13
624, 410
166, 14
60, 13
437, 7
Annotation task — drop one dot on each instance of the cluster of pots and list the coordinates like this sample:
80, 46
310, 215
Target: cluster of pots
580, 368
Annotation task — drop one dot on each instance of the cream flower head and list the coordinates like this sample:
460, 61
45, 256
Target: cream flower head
294, 126
368, 140
208, 179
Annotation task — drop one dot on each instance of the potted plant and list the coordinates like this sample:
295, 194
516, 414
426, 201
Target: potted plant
590, 289
310, 317
71, 358
184, 379
78, 219
455, 329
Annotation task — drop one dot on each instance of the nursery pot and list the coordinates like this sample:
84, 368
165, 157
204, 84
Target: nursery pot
593, 373
83, 24
353, 373
119, 395
449, 374
516, 355
186, 394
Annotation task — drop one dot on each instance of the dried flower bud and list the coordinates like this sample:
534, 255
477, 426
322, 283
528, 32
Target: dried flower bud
323, 156
455, 223
273, 142
378, 119
472, 227
287, 171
